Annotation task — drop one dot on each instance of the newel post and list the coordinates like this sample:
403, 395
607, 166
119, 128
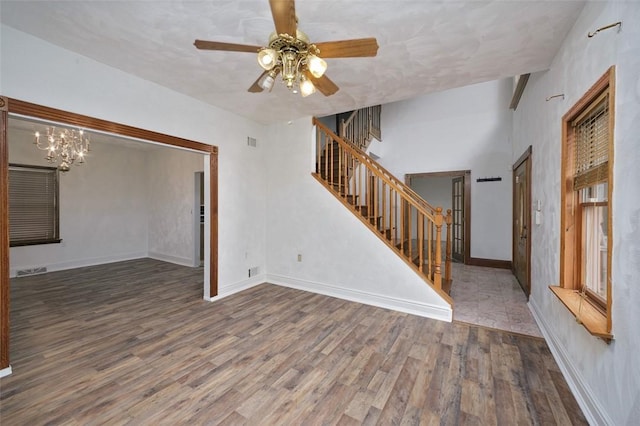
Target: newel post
437, 274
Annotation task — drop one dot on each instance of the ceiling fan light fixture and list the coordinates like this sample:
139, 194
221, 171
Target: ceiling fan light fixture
306, 88
289, 66
267, 81
316, 65
267, 58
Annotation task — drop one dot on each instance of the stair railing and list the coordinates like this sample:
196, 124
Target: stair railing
361, 126
399, 216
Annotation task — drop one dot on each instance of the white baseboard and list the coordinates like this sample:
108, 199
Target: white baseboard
381, 301
5, 372
81, 263
171, 259
228, 290
581, 390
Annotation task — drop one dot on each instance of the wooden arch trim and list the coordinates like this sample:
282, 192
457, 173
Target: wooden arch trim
27, 109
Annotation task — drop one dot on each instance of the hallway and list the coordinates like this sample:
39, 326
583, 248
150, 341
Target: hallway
491, 298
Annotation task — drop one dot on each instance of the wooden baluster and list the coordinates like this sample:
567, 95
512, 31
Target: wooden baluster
347, 166
367, 194
402, 220
384, 208
340, 178
437, 275
357, 178
392, 215
447, 265
421, 240
326, 159
376, 209
430, 248
333, 175
317, 149
409, 236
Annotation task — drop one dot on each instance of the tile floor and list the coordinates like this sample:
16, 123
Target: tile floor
492, 298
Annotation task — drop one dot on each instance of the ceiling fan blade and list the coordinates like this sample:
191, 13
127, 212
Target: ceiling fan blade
255, 87
229, 47
284, 16
361, 47
323, 84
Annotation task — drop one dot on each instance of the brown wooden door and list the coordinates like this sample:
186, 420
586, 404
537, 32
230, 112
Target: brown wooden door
457, 211
522, 222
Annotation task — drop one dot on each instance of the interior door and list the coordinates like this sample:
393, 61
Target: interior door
522, 222
457, 211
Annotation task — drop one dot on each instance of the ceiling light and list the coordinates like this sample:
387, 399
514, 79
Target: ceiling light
317, 66
64, 146
307, 88
268, 80
295, 58
267, 58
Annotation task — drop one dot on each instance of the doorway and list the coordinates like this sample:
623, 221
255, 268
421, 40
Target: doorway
198, 219
457, 224
26, 109
522, 221
449, 190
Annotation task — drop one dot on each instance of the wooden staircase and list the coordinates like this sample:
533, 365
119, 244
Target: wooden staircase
410, 226
362, 126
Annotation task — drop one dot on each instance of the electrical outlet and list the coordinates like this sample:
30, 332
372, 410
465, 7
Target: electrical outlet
299, 258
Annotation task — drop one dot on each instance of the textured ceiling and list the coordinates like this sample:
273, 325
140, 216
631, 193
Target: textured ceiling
425, 45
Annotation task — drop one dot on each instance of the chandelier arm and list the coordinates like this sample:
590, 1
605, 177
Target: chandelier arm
64, 147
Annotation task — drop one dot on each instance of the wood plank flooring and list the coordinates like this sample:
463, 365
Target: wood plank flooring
134, 343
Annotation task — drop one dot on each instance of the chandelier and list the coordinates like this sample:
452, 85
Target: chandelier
64, 146
292, 57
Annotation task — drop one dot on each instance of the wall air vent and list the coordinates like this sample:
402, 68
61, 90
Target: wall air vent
253, 271
252, 142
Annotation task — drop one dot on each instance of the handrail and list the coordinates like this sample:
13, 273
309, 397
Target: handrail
348, 121
361, 126
400, 217
388, 175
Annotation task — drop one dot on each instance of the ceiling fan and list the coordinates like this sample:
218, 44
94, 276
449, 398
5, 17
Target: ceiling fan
291, 54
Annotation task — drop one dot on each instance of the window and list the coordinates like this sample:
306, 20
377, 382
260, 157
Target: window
585, 255
33, 205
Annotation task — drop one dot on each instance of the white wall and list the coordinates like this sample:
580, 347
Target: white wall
124, 203
103, 207
435, 189
604, 378
171, 182
340, 255
468, 128
75, 83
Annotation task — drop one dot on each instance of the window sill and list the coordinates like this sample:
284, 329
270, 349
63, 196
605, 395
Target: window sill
34, 242
592, 319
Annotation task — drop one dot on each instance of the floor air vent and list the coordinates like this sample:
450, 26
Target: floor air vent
31, 271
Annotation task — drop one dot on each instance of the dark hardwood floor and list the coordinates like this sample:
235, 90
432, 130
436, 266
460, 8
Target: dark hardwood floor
134, 343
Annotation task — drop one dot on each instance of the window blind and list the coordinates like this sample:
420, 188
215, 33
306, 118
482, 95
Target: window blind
591, 138
33, 205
